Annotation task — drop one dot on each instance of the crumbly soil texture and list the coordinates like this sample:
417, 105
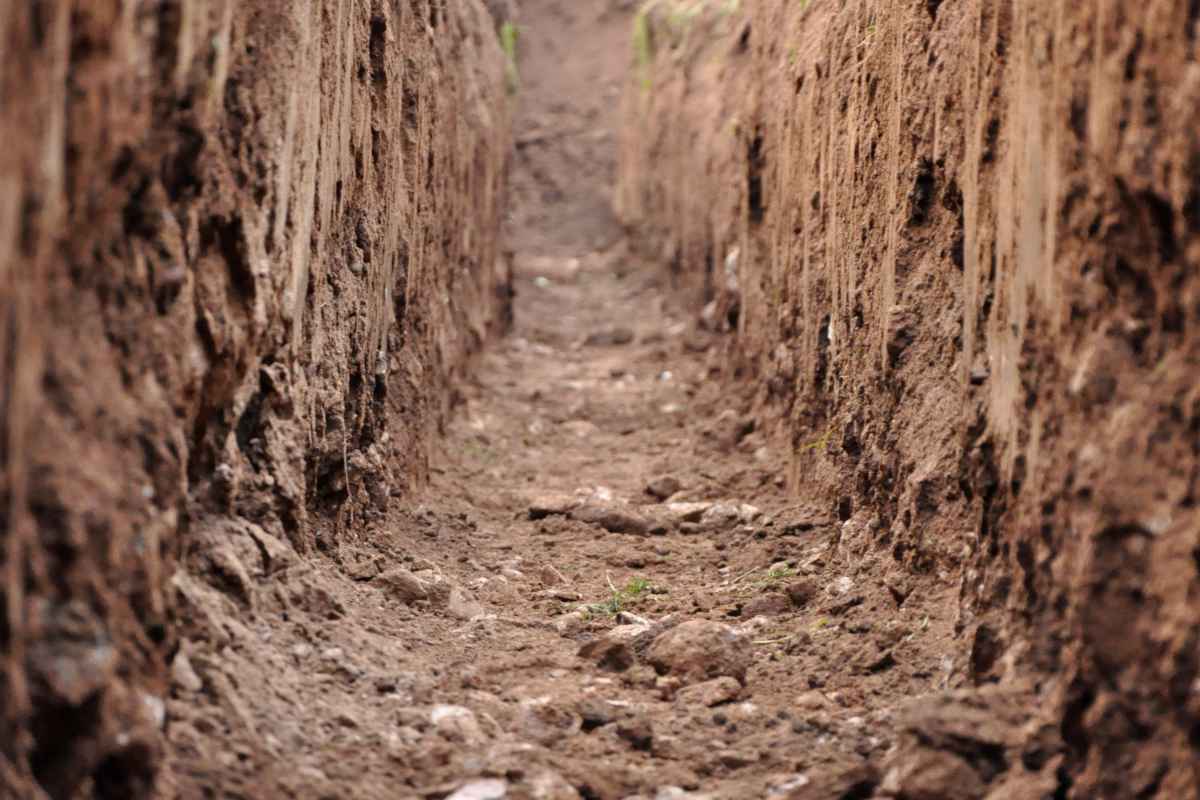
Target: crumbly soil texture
604, 592
345, 540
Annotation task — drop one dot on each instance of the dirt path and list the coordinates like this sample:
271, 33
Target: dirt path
605, 592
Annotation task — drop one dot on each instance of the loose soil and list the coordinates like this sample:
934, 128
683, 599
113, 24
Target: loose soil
473, 639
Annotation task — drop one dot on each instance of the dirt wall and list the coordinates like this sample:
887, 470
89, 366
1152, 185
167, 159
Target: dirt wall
958, 245
243, 249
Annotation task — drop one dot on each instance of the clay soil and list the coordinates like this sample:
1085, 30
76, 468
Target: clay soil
497, 631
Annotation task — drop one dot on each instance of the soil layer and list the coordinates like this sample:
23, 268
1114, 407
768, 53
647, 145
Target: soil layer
848, 450
957, 244
244, 247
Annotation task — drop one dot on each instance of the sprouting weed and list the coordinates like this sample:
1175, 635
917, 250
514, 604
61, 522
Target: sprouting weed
508, 43
633, 589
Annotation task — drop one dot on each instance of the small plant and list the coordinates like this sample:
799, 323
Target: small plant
779, 573
818, 444
508, 43
772, 578
643, 46
633, 589
636, 587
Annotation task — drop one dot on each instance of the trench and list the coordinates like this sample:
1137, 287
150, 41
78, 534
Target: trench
606, 590
778, 478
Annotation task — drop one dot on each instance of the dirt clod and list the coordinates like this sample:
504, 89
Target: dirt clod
611, 516
402, 585
709, 693
663, 486
609, 652
699, 650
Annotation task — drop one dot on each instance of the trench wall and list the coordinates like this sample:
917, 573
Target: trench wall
957, 246
244, 248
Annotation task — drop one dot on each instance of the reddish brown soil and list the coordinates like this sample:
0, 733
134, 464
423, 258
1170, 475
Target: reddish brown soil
259, 573
327, 681
244, 249
958, 247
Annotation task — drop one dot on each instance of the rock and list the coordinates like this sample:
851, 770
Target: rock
549, 785
677, 793
753, 626
736, 759
801, 592
550, 576
709, 693
680, 513
277, 554
700, 650
801, 519
813, 700
595, 712
612, 337
855, 537
457, 724
642, 642
402, 585
870, 660
486, 789
899, 586
183, 674
462, 606
227, 570
836, 780
609, 653
720, 516
666, 686
841, 586
628, 632
363, 569
437, 586
932, 775
613, 517
629, 618
551, 505
581, 428
771, 604
570, 623
539, 720
561, 593
784, 786
663, 487
637, 732
153, 709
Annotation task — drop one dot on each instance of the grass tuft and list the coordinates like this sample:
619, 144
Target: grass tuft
633, 589
508, 43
